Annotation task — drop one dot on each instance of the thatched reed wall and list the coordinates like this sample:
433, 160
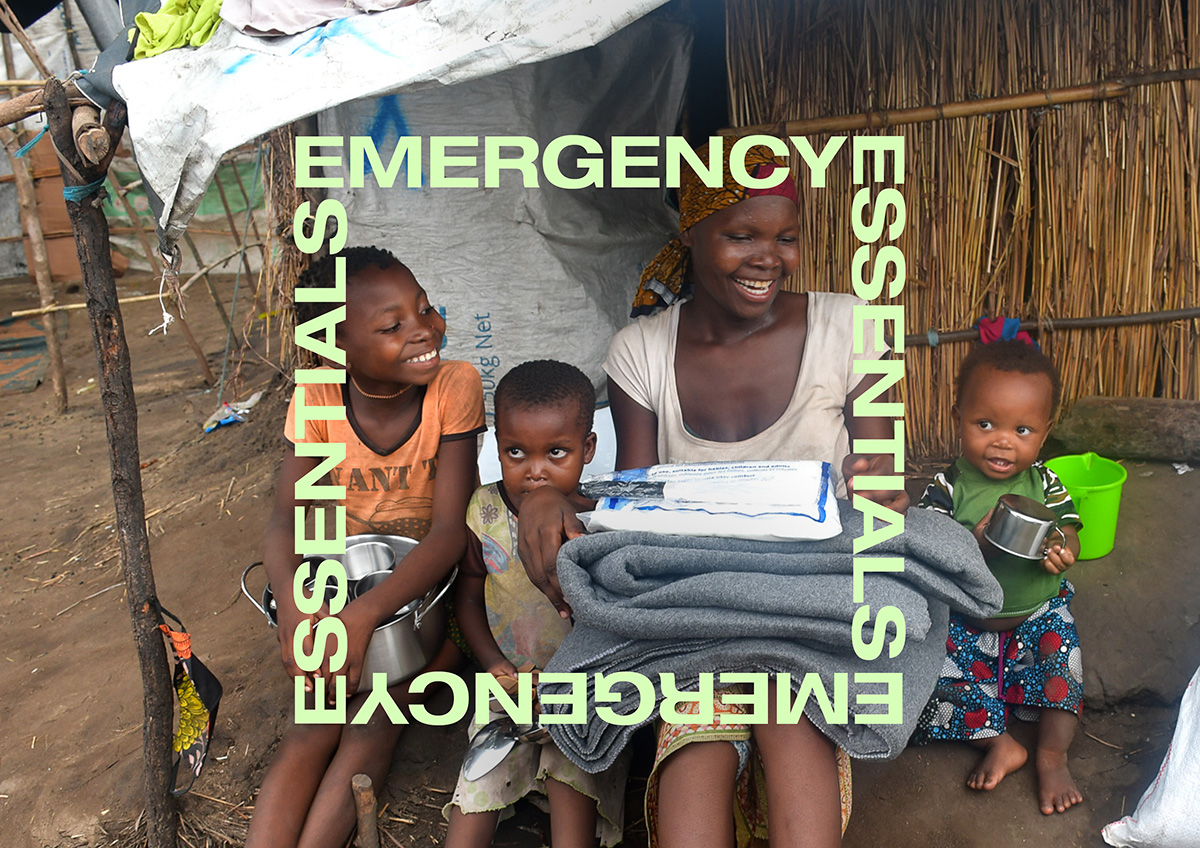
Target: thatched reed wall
1082, 210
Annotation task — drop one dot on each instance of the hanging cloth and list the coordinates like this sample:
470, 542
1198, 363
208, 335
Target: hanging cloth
179, 23
1003, 329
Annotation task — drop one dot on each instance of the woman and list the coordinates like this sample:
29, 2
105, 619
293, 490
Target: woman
740, 371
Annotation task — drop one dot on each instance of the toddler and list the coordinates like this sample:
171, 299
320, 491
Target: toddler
409, 431
544, 435
1027, 657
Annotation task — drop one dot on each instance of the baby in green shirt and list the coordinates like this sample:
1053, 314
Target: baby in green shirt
1026, 659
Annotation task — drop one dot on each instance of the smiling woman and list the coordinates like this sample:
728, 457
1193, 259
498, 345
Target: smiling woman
734, 368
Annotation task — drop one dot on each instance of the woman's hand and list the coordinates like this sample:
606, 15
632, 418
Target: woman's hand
547, 518
871, 465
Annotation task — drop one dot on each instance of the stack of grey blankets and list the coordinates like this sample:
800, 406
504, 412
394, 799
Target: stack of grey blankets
650, 604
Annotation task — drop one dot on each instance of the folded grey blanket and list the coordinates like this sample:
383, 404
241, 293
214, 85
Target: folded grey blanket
653, 604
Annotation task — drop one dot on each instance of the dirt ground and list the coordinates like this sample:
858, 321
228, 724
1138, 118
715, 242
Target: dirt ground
70, 692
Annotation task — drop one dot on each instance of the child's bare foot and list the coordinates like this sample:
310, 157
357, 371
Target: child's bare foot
1002, 756
1056, 787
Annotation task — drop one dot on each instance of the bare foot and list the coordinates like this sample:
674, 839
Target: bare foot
1002, 756
1056, 787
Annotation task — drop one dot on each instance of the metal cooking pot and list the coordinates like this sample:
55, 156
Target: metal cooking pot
406, 642
402, 645
267, 607
371, 553
1020, 526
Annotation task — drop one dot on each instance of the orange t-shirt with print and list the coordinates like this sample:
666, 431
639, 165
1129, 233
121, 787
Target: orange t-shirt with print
389, 488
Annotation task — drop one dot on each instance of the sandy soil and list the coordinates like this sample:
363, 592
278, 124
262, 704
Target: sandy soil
70, 692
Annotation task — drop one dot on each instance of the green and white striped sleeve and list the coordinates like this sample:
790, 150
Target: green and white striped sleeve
1057, 498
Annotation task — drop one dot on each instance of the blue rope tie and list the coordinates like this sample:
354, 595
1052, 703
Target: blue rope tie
27, 146
77, 194
933, 338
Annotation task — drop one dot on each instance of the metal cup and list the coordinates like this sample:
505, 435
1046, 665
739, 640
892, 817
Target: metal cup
365, 557
1021, 526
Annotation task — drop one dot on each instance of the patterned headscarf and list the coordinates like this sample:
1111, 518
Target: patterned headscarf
663, 280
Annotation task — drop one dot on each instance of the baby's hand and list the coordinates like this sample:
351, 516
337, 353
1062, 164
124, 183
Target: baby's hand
1058, 559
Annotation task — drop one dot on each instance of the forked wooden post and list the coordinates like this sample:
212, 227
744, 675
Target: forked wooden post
120, 417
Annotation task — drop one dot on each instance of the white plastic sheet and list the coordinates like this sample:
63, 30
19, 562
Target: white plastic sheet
187, 107
525, 273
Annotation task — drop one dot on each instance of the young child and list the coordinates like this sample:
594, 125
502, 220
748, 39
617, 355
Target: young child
409, 431
544, 435
1007, 393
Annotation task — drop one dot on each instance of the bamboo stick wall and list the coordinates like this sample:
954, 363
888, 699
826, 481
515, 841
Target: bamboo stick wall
1083, 210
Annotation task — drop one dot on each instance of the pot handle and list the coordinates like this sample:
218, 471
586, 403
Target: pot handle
1061, 535
246, 591
424, 608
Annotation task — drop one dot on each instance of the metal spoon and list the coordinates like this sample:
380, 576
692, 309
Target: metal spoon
493, 742
489, 746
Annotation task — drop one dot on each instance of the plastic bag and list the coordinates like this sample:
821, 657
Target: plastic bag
232, 413
1166, 815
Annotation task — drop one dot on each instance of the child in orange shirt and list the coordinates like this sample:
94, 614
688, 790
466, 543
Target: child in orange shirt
409, 430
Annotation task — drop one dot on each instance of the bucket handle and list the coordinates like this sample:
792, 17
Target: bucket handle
246, 591
424, 608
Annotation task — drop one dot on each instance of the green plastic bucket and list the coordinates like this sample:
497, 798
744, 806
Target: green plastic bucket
1095, 485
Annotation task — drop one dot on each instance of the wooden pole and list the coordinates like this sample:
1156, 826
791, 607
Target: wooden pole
1048, 325
72, 44
27, 200
1104, 90
249, 205
205, 371
233, 230
212, 289
90, 138
14, 26
364, 805
155, 265
120, 416
9, 68
259, 306
137, 298
20, 107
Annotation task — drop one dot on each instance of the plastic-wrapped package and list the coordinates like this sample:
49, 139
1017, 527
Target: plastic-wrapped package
769, 501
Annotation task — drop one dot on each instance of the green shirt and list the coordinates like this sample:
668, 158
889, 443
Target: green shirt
966, 494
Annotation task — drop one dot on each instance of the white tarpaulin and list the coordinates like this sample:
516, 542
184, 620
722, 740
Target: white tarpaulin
187, 107
523, 272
